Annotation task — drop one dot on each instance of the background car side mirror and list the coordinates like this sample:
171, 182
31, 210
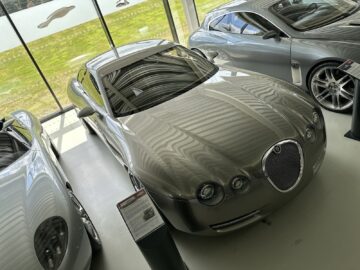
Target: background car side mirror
212, 55
272, 34
85, 112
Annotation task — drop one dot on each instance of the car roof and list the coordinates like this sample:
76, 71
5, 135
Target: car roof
128, 52
256, 6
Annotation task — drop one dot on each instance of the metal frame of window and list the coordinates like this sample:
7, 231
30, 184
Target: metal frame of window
30, 55
109, 38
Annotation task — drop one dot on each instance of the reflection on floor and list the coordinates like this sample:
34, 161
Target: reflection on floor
319, 229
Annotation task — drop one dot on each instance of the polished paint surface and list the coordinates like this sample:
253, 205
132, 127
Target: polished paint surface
218, 130
32, 189
316, 230
292, 57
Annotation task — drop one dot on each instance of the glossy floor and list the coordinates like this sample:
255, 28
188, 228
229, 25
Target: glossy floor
319, 229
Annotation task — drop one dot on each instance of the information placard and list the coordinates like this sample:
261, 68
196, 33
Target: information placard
352, 68
140, 215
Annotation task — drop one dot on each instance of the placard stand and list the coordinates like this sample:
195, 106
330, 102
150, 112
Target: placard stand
150, 232
160, 251
353, 69
354, 133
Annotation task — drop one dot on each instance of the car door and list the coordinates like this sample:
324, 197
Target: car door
242, 44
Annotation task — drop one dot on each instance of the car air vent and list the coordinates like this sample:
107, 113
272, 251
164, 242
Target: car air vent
283, 165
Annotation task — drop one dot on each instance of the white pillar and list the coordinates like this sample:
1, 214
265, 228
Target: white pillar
191, 15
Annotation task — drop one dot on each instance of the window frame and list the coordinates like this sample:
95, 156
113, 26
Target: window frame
244, 11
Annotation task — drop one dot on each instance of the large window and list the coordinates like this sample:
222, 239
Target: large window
20, 84
136, 21
204, 6
64, 34
61, 35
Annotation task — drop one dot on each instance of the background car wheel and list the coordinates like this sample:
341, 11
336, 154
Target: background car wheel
88, 127
89, 226
332, 88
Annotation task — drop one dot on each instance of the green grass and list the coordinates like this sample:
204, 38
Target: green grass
61, 54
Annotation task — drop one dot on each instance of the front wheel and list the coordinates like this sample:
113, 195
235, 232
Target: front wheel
89, 226
332, 88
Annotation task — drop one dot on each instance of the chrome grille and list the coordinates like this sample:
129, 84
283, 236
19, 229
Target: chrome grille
283, 165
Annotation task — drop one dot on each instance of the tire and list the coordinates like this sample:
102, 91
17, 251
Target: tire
89, 129
332, 88
89, 226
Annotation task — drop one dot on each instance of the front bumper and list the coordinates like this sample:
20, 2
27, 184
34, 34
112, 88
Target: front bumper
239, 210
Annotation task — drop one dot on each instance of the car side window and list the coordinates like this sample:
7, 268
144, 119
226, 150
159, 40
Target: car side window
237, 23
221, 24
92, 89
252, 24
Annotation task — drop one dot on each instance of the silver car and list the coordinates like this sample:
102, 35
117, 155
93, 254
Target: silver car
299, 41
217, 149
39, 226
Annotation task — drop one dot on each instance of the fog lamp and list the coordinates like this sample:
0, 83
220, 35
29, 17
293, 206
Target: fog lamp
210, 194
310, 134
207, 192
316, 118
241, 183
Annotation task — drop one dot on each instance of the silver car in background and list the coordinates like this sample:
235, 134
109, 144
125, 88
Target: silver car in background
39, 226
299, 41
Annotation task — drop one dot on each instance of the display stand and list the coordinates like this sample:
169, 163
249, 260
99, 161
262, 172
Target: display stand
353, 69
150, 232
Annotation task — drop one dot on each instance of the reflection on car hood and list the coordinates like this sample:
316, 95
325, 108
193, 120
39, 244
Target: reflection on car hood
347, 29
214, 130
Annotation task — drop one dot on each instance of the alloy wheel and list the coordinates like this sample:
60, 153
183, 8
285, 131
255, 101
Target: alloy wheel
333, 88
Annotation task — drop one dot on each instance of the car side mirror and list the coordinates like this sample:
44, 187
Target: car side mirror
85, 112
6, 124
212, 55
272, 34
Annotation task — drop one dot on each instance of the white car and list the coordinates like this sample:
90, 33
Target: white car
39, 226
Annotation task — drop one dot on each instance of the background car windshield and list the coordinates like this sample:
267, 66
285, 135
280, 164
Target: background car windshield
304, 15
155, 79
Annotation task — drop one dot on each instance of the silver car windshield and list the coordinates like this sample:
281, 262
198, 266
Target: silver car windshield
155, 79
304, 15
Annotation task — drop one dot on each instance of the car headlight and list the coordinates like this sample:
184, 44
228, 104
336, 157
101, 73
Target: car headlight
240, 183
210, 194
50, 242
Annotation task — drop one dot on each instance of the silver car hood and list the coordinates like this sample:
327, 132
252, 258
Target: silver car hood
28, 195
215, 130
